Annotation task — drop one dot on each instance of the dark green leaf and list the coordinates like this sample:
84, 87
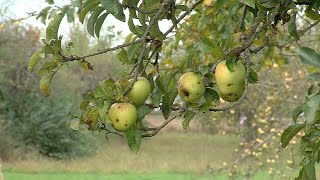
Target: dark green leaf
132, 27
253, 76
296, 113
314, 77
292, 27
250, 3
133, 51
167, 101
133, 137
187, 118
93, 19
123, 56
311, 110
309, 170
53, 27
182, 7
211, 95
89, 6
115, 8
289, 133
99, 23
143, 111
155, 32
309, 56
84, 104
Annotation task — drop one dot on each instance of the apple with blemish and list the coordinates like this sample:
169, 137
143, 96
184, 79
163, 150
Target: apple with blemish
230, 83
123, 116
191, 87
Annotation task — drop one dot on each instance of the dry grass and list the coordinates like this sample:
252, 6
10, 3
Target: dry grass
174, 152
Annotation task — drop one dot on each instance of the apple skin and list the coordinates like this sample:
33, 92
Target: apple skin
123, 116
140, 91
191, 87
230, 84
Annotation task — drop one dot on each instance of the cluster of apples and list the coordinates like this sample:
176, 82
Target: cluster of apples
190, 89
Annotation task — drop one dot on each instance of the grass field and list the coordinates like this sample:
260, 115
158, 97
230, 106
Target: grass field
166, 156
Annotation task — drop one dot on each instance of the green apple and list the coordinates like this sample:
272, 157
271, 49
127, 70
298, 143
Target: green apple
230, 83
123, 116
140, 91
191, 87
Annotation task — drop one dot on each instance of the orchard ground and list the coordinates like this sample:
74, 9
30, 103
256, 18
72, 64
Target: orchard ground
189, 155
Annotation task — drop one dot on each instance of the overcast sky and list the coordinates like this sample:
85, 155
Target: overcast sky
21, 8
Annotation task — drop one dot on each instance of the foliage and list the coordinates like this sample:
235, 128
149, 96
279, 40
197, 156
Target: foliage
211, 33
28, 119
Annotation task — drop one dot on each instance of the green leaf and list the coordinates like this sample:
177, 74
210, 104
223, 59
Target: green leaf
123, 56
292, 27
309, 170
50, 1
253, 76
133, 137
230, 63
92, 118
99, 23
85, 65
211, 95
187, 118
93, 19
115, 8
314, 77
289, 133
311, 111
167, 101
34, 59
133, 50
53, 27
182, 7
155, 31
142, 111
89, 6
45, 83
84, 104
309, 56
132, 27
103, 110
296, 113
48, 67
250, 3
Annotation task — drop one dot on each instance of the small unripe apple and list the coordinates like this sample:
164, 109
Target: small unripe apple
140, 91
123, 116
191, 87
230, 83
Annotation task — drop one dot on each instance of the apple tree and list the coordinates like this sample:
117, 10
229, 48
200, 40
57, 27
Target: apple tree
206, 51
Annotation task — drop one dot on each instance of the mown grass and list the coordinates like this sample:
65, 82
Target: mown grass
166, 156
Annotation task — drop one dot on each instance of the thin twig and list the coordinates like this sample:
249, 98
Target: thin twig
164, 124
74, 57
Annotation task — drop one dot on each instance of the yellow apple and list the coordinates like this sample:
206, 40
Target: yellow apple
191, 87
123, 116
140, 91
230, 83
